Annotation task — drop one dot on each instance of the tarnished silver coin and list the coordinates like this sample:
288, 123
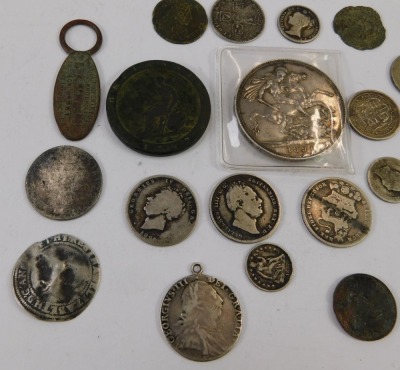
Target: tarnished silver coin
269, 267
162, 210
298, 24
245, 208
384, 179
56, 279
63, 183
395, 72
201, 316
336, 212
374, 115
290, 109
239, 21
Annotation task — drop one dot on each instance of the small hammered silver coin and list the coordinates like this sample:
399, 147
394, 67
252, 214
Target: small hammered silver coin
162, 210
384, 179
63, 183
56, 279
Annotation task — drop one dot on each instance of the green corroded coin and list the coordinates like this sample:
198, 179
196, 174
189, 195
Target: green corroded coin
359, 27
158, 108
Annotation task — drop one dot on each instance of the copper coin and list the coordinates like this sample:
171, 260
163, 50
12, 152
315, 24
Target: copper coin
384, 179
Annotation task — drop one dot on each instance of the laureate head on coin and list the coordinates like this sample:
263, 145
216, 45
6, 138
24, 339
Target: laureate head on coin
56, 279
384, 179
201, 316
162, 210
336, 212
245, 208
63, 183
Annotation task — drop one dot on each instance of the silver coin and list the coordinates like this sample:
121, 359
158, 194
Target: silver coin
201, 317
162, 210
395, 73
245, 208
384, 179
56, 279
63, 183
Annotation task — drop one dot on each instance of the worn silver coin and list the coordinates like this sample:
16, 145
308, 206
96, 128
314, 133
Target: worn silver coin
63, 183
395, 72
384, 179
245, 208
201, 317
162, 210
56, 279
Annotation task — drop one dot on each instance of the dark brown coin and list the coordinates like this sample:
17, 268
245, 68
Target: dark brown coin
238, 21
179, 21
63, 183
244, 208
365, 307
384, 179
374, 115
359, 27
77, 88
269, 267
158, 108
56, 279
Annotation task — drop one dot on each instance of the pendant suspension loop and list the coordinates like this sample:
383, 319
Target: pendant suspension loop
197, 268
81, 22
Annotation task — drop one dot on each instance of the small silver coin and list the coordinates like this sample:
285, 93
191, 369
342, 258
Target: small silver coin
395, 73
384, 179
56, 279
162, 210
201, 317
245, 208
269, 267
63, 183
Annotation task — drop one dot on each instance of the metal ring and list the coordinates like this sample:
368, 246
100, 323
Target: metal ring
81, 22
197, 268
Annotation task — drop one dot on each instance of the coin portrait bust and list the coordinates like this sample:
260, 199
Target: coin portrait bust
298, 22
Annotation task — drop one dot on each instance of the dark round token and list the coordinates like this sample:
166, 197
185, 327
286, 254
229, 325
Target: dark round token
365, 307
179, 21
158, 108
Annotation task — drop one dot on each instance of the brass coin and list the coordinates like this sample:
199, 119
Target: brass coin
245, 208
180, 21
269, 267
56, 279
395, 73
290, 109
384, 179
63, 183
201, 316
364, 307
298, 24
238, 21
336, 212
374, 115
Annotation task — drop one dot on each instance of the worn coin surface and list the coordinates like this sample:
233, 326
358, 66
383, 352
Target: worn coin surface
56, 279
201, 316
298, 24
359, 27
365, 307
384, 179
395, 73
245, 208
63, 183
179, 21
162, 210
373, 115
290, 109
158, 108
336, 212
239, 21
269, 267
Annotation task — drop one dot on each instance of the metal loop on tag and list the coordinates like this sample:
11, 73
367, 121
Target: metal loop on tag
81, 22
197, 268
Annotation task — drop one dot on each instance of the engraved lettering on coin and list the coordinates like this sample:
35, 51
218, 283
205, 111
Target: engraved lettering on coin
336, 212
374, 115
56, 279
239, 21
290, 109
364, 307
269, 267
245, 208
384, 179
201, 317
63, 183
395, 73
298, 24
162, 210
